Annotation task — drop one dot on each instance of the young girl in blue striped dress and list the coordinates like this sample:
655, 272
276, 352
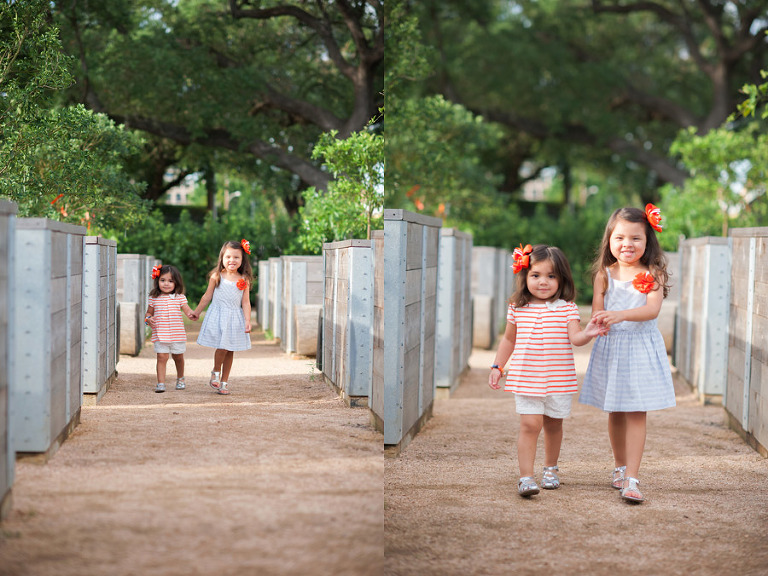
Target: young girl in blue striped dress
628, 372
227, 324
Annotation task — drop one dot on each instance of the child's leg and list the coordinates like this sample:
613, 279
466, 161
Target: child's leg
617, 433
178, 359
553, 440
162, 361
226, 365
635, 441
218, 359
530, 427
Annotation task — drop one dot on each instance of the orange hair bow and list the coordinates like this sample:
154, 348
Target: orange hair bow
654, 216
521, 257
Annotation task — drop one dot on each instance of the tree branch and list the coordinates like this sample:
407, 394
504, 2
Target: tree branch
579, 134
219, 138
316, 115
662, 107
322, 27
675, 20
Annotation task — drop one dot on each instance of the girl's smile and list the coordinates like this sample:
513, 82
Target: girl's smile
628, 241
232, 259
166, 283
542, 282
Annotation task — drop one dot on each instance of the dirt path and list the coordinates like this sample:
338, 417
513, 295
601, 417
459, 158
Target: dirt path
278, 478
451, 505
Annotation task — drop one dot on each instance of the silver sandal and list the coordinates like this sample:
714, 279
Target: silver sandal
618, 477
526, 486
549, 480
631, 492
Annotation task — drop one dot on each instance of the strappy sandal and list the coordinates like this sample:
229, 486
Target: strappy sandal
549, 480
222, 389
214, 381
631, 492
618, 477
526, 486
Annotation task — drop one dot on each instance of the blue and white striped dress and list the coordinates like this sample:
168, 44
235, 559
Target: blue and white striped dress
224, 322
628, 369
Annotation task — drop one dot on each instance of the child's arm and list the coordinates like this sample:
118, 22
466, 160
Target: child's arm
206, 299
598, 296
247, 306
648, 311
506, 347
149, 317
579, 337
189, 312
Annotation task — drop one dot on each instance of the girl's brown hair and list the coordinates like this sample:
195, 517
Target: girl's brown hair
175, 276
542, 252
653, 257
245, 269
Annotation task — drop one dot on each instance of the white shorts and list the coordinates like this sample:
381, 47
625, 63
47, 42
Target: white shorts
170, 347
552, 405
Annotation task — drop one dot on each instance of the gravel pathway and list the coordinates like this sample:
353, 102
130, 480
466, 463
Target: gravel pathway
278, 478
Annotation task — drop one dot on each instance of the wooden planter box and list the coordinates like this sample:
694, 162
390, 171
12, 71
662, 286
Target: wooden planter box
46, 387
99, 316
454, 310
347, 360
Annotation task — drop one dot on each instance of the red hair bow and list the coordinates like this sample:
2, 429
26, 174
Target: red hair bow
643, 282
520, 258
654, 216
155, 271
246, 245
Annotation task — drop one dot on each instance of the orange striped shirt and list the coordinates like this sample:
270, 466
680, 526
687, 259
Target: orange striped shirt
169, 322
542, 361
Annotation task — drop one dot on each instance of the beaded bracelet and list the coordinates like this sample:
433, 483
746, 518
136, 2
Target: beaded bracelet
497, 367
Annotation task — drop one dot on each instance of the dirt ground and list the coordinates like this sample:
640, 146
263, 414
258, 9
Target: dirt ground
451, 505
278, 478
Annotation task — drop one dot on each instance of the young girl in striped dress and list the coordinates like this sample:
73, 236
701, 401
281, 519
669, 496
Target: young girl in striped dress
166, 303
227, 324
628, 372
542, 323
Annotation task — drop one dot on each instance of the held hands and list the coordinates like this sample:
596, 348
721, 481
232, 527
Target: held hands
493, 378
595, 329
606, 318
194, 316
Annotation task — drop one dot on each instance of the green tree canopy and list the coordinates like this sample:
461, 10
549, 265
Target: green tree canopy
217, 84
595, 85
65, 163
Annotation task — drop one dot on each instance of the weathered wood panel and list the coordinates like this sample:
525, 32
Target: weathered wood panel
99, 309
411, 255
701, 343
7, 350
45, 397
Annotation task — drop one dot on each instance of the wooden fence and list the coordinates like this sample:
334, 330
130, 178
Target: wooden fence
300, 305
409, 265
347, 351
701, 338
492, 285
46, 385
746, 397
721, 346
134, 281
454, 310
100, 348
